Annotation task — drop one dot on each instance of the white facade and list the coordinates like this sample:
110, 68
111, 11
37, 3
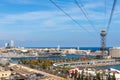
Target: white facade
5, 74
78, 48
6, 45
11, 43
58, 48
115, 52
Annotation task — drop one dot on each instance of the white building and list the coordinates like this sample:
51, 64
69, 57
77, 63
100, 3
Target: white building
11, 43
6, 45
5, 75
58, 48
115, 52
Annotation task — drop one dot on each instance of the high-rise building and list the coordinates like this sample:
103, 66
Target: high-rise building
7, 45
12, 43
78, 47
58, 48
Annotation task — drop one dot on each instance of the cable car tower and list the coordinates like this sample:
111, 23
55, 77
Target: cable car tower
103, 42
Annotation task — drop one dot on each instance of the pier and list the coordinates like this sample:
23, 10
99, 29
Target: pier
88, 63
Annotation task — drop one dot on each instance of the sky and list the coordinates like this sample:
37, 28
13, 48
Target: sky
39, 23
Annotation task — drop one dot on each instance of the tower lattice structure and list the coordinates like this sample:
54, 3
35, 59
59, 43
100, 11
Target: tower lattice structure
103, 42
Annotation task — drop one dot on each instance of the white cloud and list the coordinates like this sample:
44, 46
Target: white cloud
93, 5
22, 1
55, 18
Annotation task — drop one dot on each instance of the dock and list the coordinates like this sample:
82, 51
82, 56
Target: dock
89, 63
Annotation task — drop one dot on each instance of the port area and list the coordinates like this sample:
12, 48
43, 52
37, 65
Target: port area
26, 72
88, 63
88, 70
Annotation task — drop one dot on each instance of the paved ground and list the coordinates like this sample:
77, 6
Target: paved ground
48, 76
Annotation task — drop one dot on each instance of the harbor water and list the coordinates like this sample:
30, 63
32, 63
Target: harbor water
68, 56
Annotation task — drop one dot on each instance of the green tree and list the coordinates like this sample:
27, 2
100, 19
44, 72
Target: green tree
89, 76
98, 76
72, 74
76, 73
82, 75
109, 76
79, 77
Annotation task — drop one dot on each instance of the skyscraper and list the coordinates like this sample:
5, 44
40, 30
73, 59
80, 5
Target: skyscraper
11, 43
7, 45
58, 48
